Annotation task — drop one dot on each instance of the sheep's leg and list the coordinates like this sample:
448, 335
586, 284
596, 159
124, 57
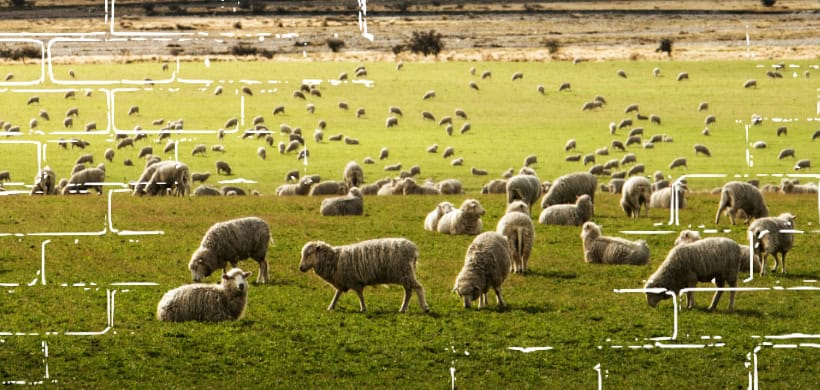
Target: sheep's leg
690, 300
482, 300
263, 271
362, 306
732, 296
732, 213
719, 211
498, 298
422, 300
715, 298
776, 261
408, 292
783, 262
335, 299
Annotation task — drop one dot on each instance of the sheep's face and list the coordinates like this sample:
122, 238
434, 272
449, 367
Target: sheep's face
200, 264
590, 229
236, 279
686, 237
310, 253
653, 298
471, 206
467, 294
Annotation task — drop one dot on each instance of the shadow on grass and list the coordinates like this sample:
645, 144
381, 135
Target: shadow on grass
552, 274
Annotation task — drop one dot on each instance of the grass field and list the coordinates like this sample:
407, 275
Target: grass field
287, 339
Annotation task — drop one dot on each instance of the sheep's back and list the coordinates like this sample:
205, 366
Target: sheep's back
387, 260
237, 239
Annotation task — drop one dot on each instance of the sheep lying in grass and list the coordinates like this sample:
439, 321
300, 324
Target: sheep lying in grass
231, 241
738, 196
206, 190
769, 239
350, 204
568, 214
207, 302
45, 183
300, 188
431, 221
517, 227
792, 187
636, 192
353, 174
464, 220
486, 265
329, 187
663, 197
715, 258
450, 187
600, 249
367, 263
495, 186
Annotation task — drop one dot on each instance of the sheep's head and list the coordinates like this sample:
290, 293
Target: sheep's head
471, 206
584, 199
686, 237
236, 279
468, 293
788, 217
590, 229
311, 253
201, 264
518, 206
355, 191
652, 298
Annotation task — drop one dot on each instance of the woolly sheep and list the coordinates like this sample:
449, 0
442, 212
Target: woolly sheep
663, 197
769, 239
628, 158
229, 242
573, 158
353, 175
82, 180
431, 221
699, 148
635, 170
450, 187
689, 236
738, 196
367, 263
478, 172
567, 189
655, 119
350, 204
709, 120
701, 261
518, 228
464, 220
200, 176
625, 123
759, 145
330, 187
526, 188
569, 145
530, 160
392, 121
600, 249
429, 95
568, 214
486, 266
636, 192
618, 145
791, 187
615, 186
750, 83
207, 302
802, 164
460, 113
199, 149
787, 152
495, 186
165, 176
682, 76
44, 183
678, 162
222, 168
85, 159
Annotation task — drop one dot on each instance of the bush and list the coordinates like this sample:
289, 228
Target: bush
665, 45
335, 44
22, 52
426, 43
245, 50
552, 45
21, 3
768, 3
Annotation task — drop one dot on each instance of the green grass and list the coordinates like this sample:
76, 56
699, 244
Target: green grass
288, 339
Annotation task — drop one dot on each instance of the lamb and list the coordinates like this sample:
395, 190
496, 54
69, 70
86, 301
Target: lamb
350, 204
465, 220
486, 265
222, 168
567, 214
738, 196
431, 221
526, 188
329, 187
600, 249
567, 188
715, 258
367, 263
699, 148
770, 239
44, 183
353, 175
678, 162
207, 302
636, 192
663, 197
82, 180
231, 241
517, 227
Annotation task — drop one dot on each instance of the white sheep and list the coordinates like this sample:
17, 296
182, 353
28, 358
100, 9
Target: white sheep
231, 241
367, 263
45, 182
689, 236
353, 174
600, 249
739, 196
464, 220
431, 221
770, 239
636, 192
83, 180
523, 187
486, 266
567, 189
701, 261
207, 302
516, 225
568, 214
350, 204
450, 187
663, 198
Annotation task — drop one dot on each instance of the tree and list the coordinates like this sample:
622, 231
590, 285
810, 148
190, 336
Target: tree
426, 43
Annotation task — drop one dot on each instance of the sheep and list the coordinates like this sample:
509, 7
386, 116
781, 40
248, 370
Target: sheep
603, 151
569, 145
392, 121
128, 163
433, 217
300, 188
759, 145
231, 241
621, 73
517, 76
768, 238
635, 139
146, 151
160, 177
169, 147
567, 188
573, 158
526, 188
615, 186
629, 158
591, 105
82, 180
655, 119
517, 227
782, 131
464, 220
635, 170
802, 164
393, 167
44, 183
689, 236
589, 159
368, 160
614, 163
663, 198
465, 128
700, 148
200, 176
218, 148
478, 172
350, 204
199, 149
329, 187
486, 265
600, 249
618, 175
207, 302
77, 168
432, 148
625, 123
415, 170
709, 120
429, 95
567, 214
738, 196
618, 145
792, 187
133, 110
367, 263
636, 192
410, 187
815, 135
85, 159
750, 83
631, 108
678, 162
682, 76
530, 160
787, 152
715, 258
222, 168
450, 187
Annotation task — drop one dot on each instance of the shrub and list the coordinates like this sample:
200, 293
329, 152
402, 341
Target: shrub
665, 45
768, 3
552, 45
21, 3
335, 44
244, 49
22, 52
426, 43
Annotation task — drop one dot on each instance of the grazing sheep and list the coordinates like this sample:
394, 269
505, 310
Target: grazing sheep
573, 158
146, 151
353, 175
217, 148
788, 152
460, 113
682, 76
618, 145
222, 168
589, 159
261, 152
526, 188
517, 227
750, 83
85, 159
738, 196
709, 120
392, 121
635, 170
615, 186
759, 145
566, 189
782, 131
247, 90
229, 242
207, 302
635, 139
770, 239
678, 162
448, 151
109, 154
367, 263
793, 187
603, 151
517, 76
200, 176
530, 160
44, 183
715, 258
636, 192
450, 187
540, 88
625, 123
486, 265
663, 198
564, 87
654, 119
457, 162
329, 187
568, 214
621, 73
631, 108
162, 177
465, 128
90, 126
133, 110
495, 186
350, 204
815, 135
429, 95
83, 180
700, 148
433, 217
170, 147
199, 149
591, 105
569, 145
128, 163
689, 236
802, 164
629, 158
464, 220
600, 249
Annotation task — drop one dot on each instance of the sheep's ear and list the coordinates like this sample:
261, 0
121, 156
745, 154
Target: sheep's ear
246, 274
225, 276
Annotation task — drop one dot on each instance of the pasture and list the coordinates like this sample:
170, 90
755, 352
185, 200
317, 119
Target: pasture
287, 339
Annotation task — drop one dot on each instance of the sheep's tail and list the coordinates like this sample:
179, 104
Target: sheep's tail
519, 245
